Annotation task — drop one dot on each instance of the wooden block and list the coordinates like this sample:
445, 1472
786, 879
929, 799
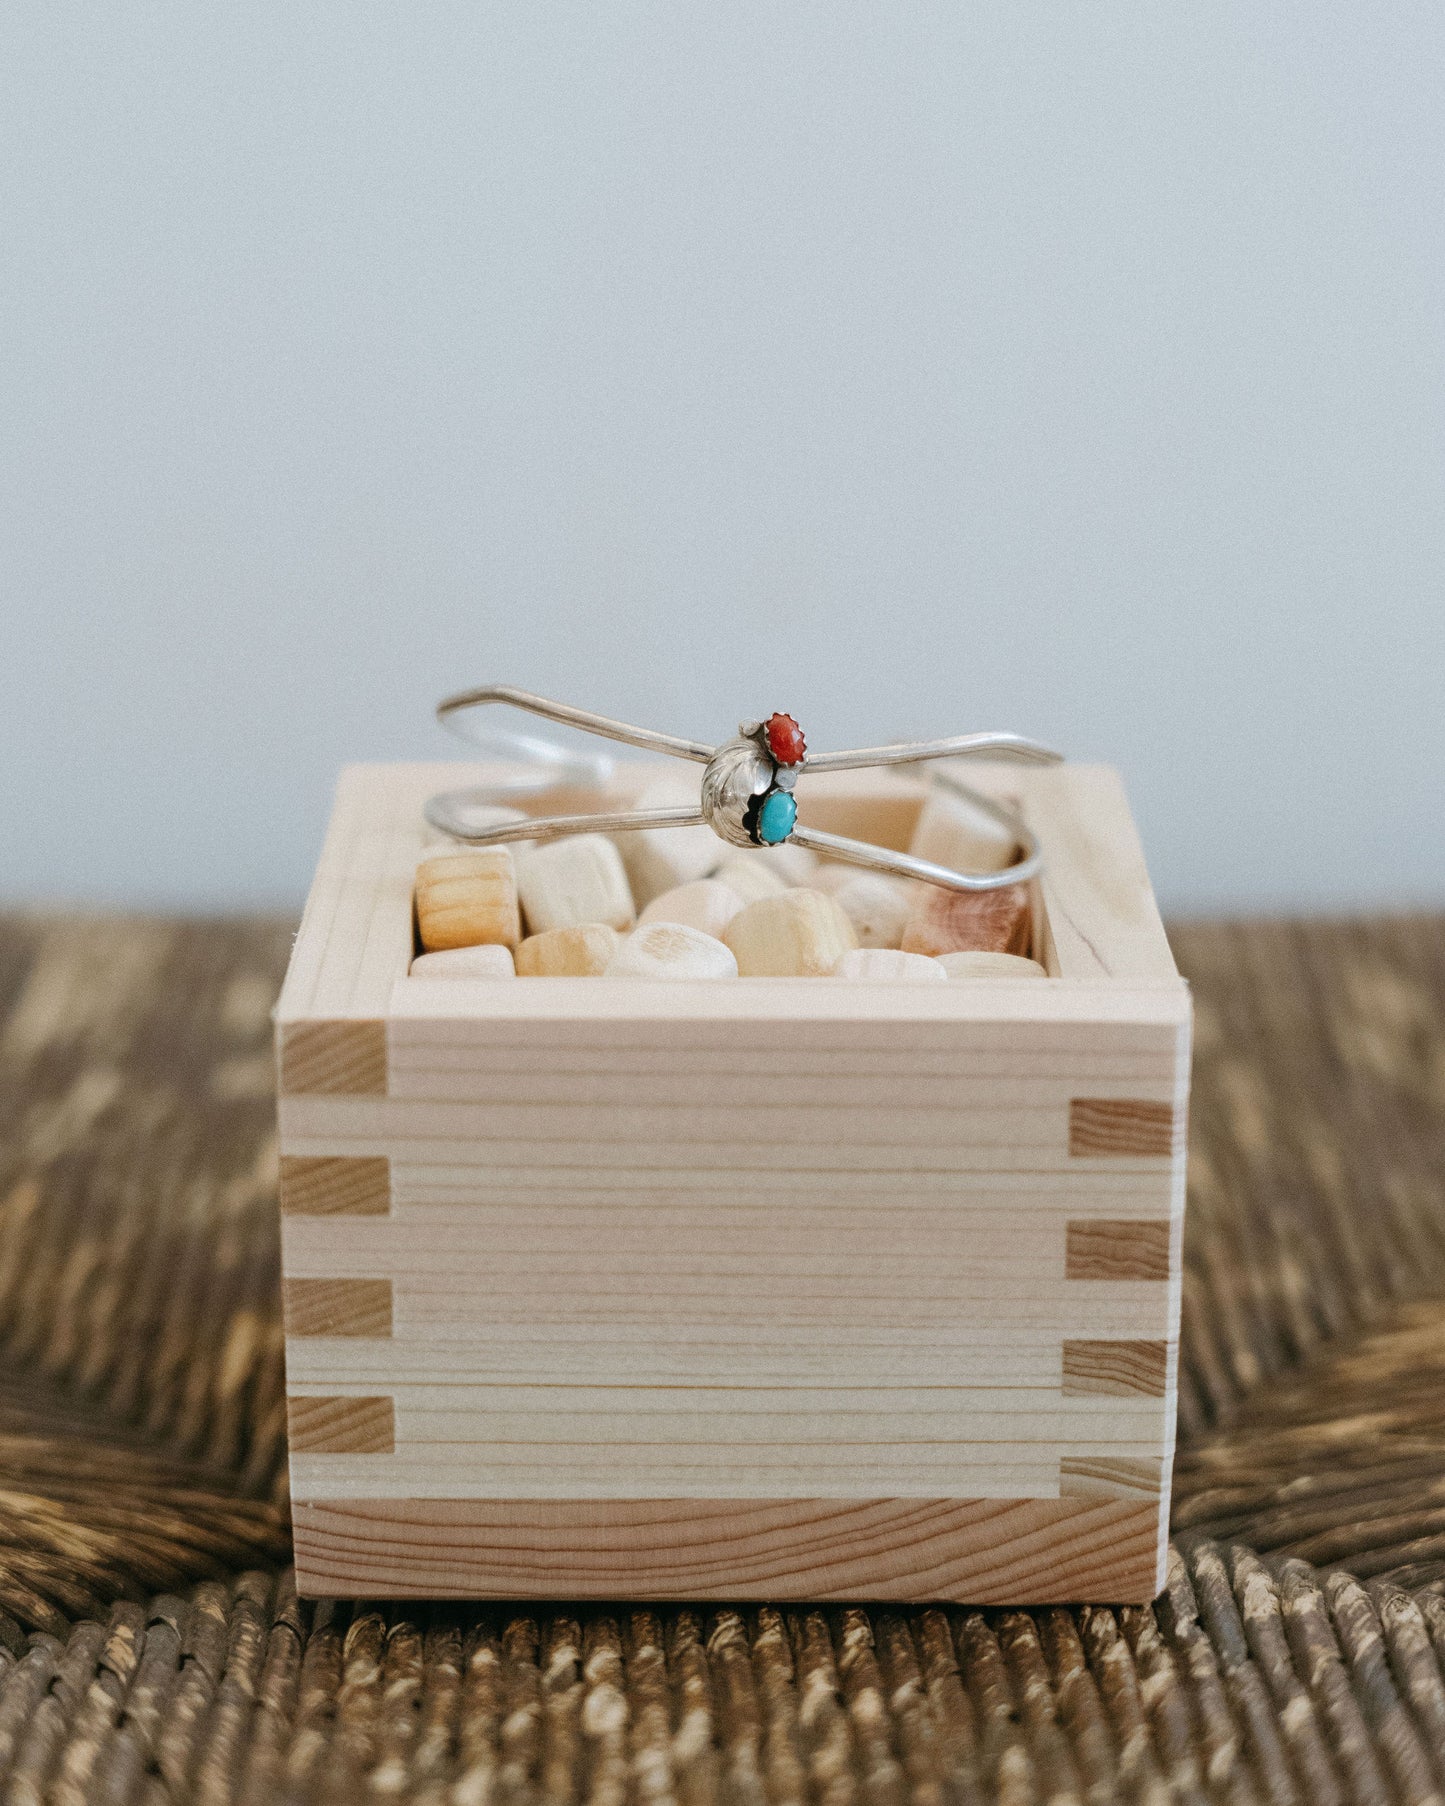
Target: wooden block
465, 962
335, 1185
574, 881
798, 934
580, 952
878, 906
670, 950
336, 1307
468, 900
885, 965
952, 921
599, 1303
1121, 1125
983, 966
974, 1551
1116, 1368
341, 1426
709, 905
333, 1058
1105, 1248
952, 831
1111, 1477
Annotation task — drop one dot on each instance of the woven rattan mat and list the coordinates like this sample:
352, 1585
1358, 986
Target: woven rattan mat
151, 1648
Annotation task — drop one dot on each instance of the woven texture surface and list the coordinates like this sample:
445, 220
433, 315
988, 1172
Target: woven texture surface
151, 1648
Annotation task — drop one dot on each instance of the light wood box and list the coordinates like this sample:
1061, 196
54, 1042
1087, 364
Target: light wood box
760, 1287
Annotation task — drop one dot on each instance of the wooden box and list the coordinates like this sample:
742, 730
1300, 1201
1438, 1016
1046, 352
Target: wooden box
791, 1288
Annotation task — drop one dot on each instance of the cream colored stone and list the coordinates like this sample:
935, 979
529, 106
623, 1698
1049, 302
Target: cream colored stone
797, 934
490, 961
580, 952
468, 899
793, 865
877, 905
709, 905
741, 873
832, 875
990, 965
671, 950
886, 965
567, 883
661, 859
952, 831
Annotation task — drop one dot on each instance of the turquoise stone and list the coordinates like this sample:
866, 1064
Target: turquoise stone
776, 817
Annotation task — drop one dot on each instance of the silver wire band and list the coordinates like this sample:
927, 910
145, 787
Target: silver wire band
999, 746
447, 811
646, 738
440, 813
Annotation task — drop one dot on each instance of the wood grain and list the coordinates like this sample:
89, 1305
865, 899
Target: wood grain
1111, 1476
1100, 1368
331, 1059
468, 899
335, 1185
985, 1552
336, 1307
341, 1426
1117, 1249
1100, 919
1101, 1126
864, 805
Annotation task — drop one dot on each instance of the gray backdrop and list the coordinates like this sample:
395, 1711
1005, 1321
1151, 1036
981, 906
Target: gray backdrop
1068, 368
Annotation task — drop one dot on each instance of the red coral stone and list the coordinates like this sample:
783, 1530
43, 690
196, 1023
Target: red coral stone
785, 739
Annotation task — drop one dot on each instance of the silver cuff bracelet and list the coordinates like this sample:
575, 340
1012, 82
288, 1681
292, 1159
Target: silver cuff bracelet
747, 787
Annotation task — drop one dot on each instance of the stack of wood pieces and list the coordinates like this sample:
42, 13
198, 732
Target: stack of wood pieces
678, 903
153, 1649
